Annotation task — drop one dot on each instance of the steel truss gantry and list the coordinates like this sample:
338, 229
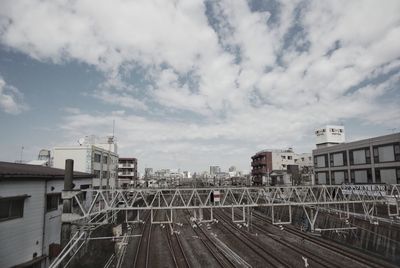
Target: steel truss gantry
92, 208
105, 201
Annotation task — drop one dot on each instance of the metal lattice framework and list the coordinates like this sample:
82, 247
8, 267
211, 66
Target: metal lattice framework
95, 207
102, 201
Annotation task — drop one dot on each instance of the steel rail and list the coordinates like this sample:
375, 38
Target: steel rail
223, 261
369, 262
255, 246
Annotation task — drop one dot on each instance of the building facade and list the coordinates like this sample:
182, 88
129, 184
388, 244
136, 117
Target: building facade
268, 164
214, 170
30, 213
374, 160
127, 172
90, 159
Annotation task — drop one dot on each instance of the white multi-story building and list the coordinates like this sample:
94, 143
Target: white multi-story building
30, 213
90, 159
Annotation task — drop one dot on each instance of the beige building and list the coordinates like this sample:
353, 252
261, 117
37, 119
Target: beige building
90, 159
374, 160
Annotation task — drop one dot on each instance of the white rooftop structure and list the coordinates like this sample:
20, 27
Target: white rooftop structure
329, 135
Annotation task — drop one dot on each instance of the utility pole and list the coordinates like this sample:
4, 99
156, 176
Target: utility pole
67, 202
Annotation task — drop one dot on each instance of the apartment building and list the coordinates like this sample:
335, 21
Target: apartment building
90, 159
374, 160
269, 165
127, 172
30, 213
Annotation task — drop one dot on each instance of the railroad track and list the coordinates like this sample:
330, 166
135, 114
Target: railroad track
176, 249
311, 256
257, 247
143, 249
362, 259
215, 251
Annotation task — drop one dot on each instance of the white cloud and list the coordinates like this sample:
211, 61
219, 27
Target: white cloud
11, 99
250, 79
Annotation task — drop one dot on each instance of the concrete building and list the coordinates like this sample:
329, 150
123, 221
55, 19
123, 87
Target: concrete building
187, 175
214, 170
44, 159
269, 166
90, 159
148, 173
374, 160
30, 213
127, 172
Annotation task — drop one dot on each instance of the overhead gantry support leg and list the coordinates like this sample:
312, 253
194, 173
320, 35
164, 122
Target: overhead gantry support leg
312, 217
243, 219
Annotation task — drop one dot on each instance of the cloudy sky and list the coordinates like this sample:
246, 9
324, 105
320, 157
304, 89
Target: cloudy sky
195, 83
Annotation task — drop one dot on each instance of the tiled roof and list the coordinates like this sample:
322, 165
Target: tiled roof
15, 170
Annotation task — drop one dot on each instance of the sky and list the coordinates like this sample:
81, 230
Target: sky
191, 84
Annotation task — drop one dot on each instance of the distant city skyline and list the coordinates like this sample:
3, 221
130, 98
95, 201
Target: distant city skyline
206, 83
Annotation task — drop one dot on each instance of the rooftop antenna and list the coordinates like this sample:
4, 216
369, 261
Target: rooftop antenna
22, 150
113, 127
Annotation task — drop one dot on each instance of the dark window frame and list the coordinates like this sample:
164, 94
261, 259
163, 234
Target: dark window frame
328, 180
14, 201
96, 158
344, 155
378, 178
396, 147
326, 160
53, 201
346, 176
369, 176
367, 153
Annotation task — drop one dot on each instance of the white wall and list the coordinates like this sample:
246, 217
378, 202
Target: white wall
22, 237
53, 218
84, 162
81, 156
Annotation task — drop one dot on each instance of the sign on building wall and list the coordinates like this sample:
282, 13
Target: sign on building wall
369, 189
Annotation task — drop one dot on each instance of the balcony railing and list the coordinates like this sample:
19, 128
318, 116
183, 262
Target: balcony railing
126, 165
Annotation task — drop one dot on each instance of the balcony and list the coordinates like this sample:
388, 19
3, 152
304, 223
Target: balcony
259, 171
126, 165
126, 174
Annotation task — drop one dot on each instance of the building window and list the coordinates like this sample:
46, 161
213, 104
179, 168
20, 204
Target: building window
338, 159
386, 153
53, 201
339, 177
387, 175
361, 176
360, 156
97, 158
105, 159
321, 161
11, 208
321, 178
283, 156
289, 157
